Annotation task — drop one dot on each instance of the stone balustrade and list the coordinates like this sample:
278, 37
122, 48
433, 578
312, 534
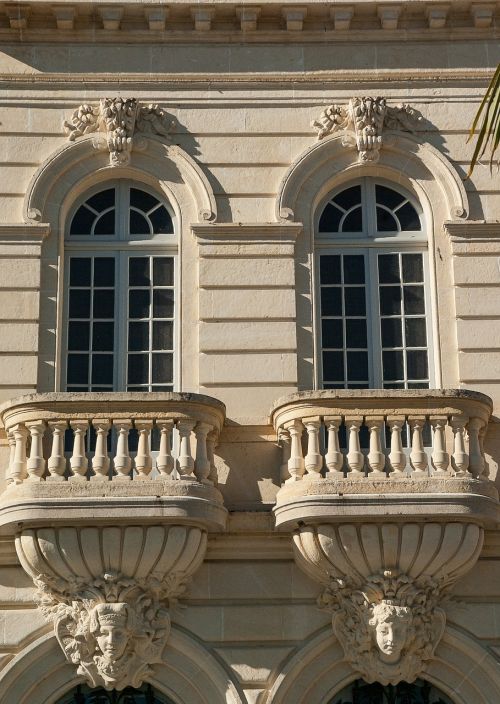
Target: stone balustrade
63, 437
309, 425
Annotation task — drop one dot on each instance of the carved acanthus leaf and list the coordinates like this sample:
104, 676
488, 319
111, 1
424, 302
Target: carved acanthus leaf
119, 120
363, 121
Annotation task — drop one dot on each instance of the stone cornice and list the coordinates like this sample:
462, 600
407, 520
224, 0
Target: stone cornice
23, 233
235, 232
476, 230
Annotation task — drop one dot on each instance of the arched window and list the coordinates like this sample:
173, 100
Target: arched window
84, 695
373, 285
418, 692
120, 283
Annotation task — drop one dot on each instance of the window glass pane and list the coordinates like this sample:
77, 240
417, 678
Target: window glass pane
79, 271
415, 332
354, 300
104, 303
333, 366
138, 369
161, 221
104, 271
163, 303
82, 221
357, 366
102, 200
138, 336
420, 385
408, 217
103, 336
386, 196
388, 269
355, 332
391, 332
413, 268
77, 369
393, 365
385, 221
390, 300
102, 369
138, 303
354, 269
105, 225
330, 219
139, 271
416, 361
163, 335
79, 304
163, 271
349, 197
330, 269
138, 224
78, 336
142, 200
354, 221
332, 333
162, 368
414, 300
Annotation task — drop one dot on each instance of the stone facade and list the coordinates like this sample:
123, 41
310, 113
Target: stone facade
278, 540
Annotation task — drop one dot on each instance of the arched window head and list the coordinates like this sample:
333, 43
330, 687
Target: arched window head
120, 272
372, 285
418, 692
82, 694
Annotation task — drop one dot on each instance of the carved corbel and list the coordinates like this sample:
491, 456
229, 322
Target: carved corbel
362, 123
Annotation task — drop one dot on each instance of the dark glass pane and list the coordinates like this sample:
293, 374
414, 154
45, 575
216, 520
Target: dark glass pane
78, 369
330, 219
355, 333
390, 300
142, 200
102, 200
104, 303
329, 269
102, 369
388, 269
103, 337
79, 304
408, 217
385, 221
138, 224
333, 366
354, 269
415, 332
138, 369
138, 271
354, 300
328, 385
104, 271
138, 303
138, 337
393, 365
79, 271
417, 367
163, 271
162, 388
357, 366
78, 336
163, 303
106, 224
351, 196
413, 269
388, 197
419, 385
414, 300
391, 332
161, 221
163, 335
162, 368
332, 334
82, 221
394, 386
331, 301
354, 221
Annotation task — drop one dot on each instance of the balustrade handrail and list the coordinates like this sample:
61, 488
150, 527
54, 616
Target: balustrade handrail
29, 418
458, 419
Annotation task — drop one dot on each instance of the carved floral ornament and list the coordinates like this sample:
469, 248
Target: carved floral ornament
363, 121
121, 120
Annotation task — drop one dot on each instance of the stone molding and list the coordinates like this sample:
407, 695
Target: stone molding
363, 122
109, 591
119, 120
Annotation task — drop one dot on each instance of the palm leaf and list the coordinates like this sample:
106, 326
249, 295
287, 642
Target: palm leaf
489, 132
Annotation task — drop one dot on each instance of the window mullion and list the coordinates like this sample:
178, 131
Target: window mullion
121, 350
375, 349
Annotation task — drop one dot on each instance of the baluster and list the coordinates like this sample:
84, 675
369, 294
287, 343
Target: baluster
202, 463
165, 461
376, 458
36, 462
355, 458
460, 458
334, 459
418, 457
143, 459
122, 461
285, 442
19, 471
185, 460
482, 435
57, 461
476, 459
78, 461
211, 445
397, 457
440, 458
100, 460
314, 459
12, 453
296, 462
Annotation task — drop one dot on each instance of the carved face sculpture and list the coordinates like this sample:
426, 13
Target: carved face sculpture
109, 623
391, 627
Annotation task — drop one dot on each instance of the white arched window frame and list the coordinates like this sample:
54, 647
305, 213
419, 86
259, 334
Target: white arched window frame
120, 310
363, 340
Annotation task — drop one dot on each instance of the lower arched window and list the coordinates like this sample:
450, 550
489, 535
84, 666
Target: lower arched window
146, 694
418, 692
